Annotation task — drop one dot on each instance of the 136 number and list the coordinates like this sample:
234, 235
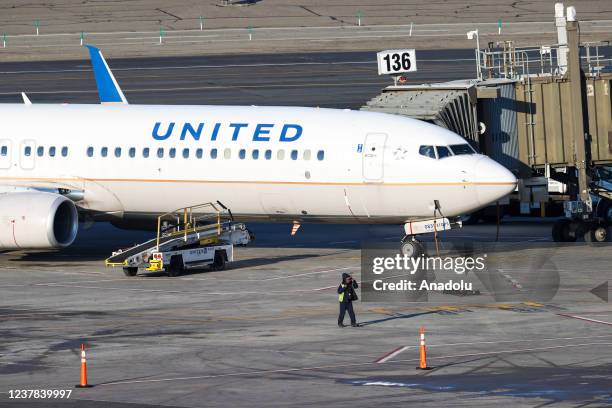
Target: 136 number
396, 62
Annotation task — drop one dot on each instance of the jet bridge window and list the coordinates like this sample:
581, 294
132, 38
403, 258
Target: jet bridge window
242, 154
145, 152
117, 152
132, 152
40, 151
172, 153
427, 151
27, 151
64, 151
320, 155
104, 151
160, 152
185, 153
52, 151
462, 149
90, 151
443, 152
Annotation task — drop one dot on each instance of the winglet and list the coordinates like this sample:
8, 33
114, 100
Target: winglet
108, 88
25, 98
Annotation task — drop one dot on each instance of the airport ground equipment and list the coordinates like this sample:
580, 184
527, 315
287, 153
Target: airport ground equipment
187, 238
543, 112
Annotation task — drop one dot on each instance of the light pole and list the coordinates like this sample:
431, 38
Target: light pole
470, 36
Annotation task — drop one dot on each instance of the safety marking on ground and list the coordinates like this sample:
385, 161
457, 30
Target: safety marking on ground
584, 318
391, 354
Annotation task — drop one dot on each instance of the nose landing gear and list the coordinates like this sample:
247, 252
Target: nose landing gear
411, 247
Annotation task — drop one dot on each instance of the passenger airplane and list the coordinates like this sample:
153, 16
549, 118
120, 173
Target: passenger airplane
129, 163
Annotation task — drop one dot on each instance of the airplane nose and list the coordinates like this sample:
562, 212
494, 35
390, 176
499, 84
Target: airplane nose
492, 181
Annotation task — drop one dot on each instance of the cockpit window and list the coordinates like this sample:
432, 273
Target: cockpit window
427, 151
443, 152
462, 149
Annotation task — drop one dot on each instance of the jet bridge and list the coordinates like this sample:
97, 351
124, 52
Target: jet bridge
451, 105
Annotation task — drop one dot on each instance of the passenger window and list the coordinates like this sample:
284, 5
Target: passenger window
4, 151
255, 154
268, 154
172, 153
427, 151
443, 152
27, 151
64, 151
104, 152
145, 152
227, 154
40, 151
160, 152
213, 153
294, 155
185, 153
306, 155
117, 152
320, 155
90, 151
242, 154
132, 152
52, 151
199, 153
280, 155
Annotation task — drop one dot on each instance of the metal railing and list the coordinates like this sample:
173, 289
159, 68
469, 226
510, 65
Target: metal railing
186, 220
509, 62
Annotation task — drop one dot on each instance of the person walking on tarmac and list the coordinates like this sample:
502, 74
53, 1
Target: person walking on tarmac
346, 296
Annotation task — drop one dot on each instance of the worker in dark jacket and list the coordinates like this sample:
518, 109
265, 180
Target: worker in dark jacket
346, 295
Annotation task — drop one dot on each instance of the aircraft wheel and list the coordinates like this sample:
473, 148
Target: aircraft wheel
130, 270
412, 248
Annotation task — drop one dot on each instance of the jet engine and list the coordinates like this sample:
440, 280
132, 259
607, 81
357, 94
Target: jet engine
37, 220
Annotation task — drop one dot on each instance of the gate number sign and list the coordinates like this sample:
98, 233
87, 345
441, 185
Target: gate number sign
396, 61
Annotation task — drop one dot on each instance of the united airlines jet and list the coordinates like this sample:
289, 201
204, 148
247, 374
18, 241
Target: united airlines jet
127, 164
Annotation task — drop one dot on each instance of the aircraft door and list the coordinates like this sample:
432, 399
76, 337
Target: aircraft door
26, 158
5, 154
373, 157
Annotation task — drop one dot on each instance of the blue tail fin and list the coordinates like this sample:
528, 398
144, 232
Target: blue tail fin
108, 88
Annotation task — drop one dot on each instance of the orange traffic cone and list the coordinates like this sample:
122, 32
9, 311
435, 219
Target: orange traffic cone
83, 383
422, 351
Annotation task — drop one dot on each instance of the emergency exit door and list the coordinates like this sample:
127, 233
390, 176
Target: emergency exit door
373, 156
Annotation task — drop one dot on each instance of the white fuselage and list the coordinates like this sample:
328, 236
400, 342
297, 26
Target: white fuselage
323, 165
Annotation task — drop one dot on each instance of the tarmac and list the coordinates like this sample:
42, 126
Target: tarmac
41, 30
263, 333
338, 80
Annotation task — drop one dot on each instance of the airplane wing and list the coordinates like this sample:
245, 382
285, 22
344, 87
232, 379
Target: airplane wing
108, 88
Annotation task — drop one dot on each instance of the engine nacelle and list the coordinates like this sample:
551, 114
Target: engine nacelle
37, 220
